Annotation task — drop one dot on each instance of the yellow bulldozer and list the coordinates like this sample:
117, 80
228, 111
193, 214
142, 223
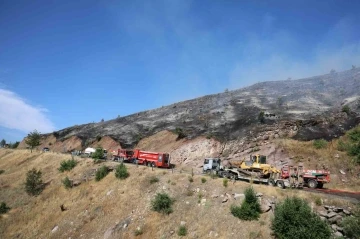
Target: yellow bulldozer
255, 166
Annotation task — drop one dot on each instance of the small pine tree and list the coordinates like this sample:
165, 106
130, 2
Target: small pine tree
4, 208
34, 184
67, 183
250, 208
98, 154
101, 173
121, 172
351, 225
294, 219
33, 139
261, 117
2, 142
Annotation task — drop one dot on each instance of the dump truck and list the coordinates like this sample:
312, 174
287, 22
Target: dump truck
151, 159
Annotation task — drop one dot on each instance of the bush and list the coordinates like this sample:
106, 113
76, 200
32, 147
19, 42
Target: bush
154, 179
98, 154
67, 165
261, 117
346, 109
162, 203
351, 225
34, 184
4, 208
249, 209
203, 180
2, 171
138, 231
225, 182
121, 171
67, 183
294, 219
101, 173
182, 231
180, 133
191, 179
320, 143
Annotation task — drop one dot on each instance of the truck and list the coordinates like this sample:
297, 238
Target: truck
289, 176
147, 158
90, 151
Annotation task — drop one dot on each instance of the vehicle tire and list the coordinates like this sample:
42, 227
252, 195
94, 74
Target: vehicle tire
280, 184
320, 185
312, 183
232, 176
271, 182
145, 163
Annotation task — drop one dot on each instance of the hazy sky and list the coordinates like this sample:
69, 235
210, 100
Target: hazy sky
66, 62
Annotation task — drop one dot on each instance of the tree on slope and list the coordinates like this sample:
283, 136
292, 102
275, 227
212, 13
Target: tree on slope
2, 143
33, 139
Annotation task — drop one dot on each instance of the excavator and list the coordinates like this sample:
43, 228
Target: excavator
255, 166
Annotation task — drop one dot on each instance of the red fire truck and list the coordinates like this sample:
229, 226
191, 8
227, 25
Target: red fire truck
151, 159
312, 178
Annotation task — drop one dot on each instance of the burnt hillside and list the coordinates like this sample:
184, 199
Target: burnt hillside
310, 107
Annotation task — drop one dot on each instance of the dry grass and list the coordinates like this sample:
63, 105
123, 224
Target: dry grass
93, 207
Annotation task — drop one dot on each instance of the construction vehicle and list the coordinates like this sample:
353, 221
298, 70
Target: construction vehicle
312, 178
151, 159
257, 165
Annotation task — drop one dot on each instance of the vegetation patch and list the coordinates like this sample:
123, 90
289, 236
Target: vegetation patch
101, 173
2, 171
320, 143
351, 144
4, 208
67, 165
153, 179
191, 179
351, 225
67, 183
225, 182
162, 203
182, 231
34, 184
250, 207
121, 171
294, 219
203, 180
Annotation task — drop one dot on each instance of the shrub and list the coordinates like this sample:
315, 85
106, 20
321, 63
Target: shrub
4, 208
34, 184
249, 209
138, 231
320, 143
67, 165
182, 231
318, 201
98, 138
154, 179
342, 146
203, 180
261, 117
101, 173
351, 225
2, 171
162, 203
189, 193
98, 154
346, 109
225, 182
294, 219
180, 133
191, 179
121, 171
67, 183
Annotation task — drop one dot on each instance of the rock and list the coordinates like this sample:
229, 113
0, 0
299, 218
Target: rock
203, 201
55, 229
334, 227
323, 213
336, 219
331, 214
347, 212
259, 194
342, 171
76, 183
323, 218
338, 234
326, 207
214, 196
237, 195
198, 190
265, 206
182, 223
338, 209
225, 200
109, 193
172, 232
164, 188
187, 203
125, 225
336, 156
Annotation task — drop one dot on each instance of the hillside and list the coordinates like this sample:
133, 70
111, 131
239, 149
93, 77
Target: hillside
115, 209
304, 109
